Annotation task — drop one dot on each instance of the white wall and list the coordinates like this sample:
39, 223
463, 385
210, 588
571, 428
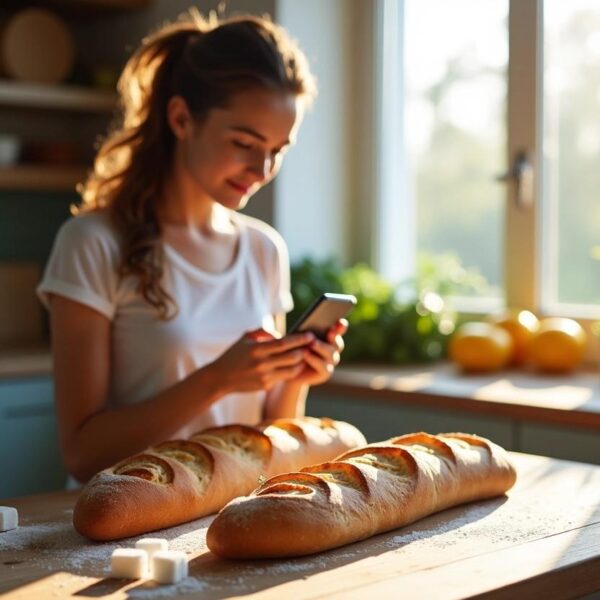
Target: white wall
321, 183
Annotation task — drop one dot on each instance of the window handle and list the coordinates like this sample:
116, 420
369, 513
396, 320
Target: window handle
522, 176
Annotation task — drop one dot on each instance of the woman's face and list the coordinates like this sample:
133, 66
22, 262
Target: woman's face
236, 150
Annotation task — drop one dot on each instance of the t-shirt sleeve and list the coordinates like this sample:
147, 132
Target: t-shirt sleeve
83, 265
281, 297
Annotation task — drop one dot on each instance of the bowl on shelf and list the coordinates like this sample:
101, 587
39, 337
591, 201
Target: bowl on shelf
10, 149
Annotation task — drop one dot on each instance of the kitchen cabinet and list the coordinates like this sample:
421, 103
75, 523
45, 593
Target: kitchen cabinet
381, 420
28, 439
563, 442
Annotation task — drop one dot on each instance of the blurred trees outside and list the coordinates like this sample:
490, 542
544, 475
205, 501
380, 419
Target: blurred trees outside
460, 206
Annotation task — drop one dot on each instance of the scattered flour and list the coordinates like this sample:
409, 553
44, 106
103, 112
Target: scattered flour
481, 522
189, 585
61, 543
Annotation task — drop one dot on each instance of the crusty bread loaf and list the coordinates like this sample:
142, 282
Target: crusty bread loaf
181, 480
363, 492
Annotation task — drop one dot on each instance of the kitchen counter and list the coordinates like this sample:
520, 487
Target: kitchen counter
25, 362
542, 540
571, 400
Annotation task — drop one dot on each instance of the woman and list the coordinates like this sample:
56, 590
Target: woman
167, 306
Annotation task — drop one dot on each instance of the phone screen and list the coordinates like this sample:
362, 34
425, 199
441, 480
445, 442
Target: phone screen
324, 313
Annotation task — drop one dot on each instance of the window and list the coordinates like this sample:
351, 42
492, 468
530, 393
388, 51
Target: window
486, 88
571, 149
455, 78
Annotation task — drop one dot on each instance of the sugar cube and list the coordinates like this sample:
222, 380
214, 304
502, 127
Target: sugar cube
9, 518
169, 566
129, 563
152, 545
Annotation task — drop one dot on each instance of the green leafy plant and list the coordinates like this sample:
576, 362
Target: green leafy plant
403, 323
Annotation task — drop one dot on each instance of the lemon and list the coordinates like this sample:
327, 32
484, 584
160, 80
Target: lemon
479, 346
520, 325
558, 345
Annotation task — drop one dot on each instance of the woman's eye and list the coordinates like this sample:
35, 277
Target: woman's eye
242, 145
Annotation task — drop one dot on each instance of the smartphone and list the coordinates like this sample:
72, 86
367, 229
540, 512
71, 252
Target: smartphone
324, 313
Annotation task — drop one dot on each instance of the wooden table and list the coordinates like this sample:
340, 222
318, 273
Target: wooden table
542, 540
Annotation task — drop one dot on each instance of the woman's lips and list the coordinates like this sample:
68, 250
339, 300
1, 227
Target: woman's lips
238, 187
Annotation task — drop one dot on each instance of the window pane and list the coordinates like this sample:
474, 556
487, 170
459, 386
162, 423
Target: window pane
456, 59
571, 232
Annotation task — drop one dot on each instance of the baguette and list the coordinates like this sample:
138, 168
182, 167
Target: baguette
365, 491
181, 480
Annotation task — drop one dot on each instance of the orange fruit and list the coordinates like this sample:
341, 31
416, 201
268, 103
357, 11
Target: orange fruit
478, 346
558, 345
520, 325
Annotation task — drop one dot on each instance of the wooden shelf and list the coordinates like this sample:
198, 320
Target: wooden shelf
66, 97
117, 5
51, 178
86, 7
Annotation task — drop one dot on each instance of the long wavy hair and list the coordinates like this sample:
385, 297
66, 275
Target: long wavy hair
205, 61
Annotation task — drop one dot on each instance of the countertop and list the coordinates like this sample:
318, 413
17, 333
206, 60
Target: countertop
542, 540
28, 361
566, 400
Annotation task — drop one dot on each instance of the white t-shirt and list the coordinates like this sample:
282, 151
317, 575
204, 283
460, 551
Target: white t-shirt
149, 355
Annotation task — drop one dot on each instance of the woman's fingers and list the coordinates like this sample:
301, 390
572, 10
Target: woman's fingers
289, 342
335, 333
259, 335
318, 364
343, 326
285, 373
295, 355
286, 359
326, 352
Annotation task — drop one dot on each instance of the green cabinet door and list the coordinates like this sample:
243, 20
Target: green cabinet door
28, 439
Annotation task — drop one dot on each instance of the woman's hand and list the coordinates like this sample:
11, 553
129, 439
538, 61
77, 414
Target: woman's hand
259, 361
321, 358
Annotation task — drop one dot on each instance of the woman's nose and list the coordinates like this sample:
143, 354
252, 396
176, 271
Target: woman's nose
262, 166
